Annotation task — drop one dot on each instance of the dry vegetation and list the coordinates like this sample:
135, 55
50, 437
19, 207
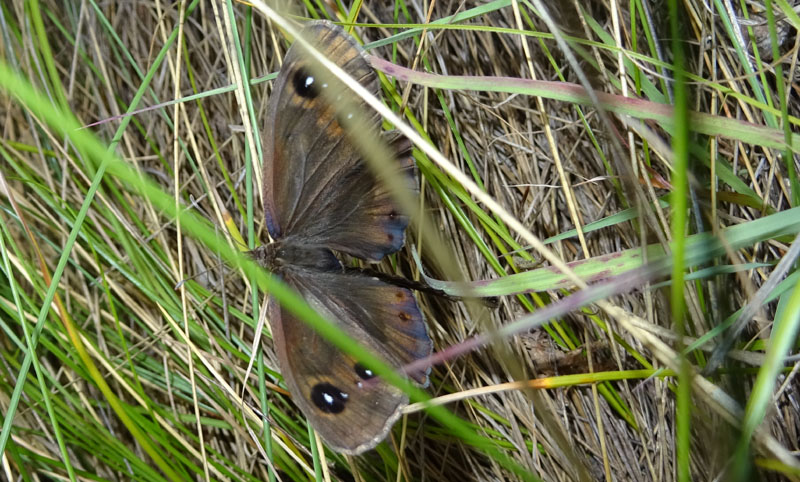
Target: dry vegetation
113, 352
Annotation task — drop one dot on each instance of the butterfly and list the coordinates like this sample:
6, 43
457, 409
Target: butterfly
321, 197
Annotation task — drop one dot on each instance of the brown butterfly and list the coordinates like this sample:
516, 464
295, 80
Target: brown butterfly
321, 196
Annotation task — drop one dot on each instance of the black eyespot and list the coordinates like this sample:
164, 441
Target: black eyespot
363, 372
305, 84
392, 214
328, 398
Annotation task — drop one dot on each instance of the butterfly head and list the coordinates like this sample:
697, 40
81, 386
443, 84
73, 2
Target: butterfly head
282, 255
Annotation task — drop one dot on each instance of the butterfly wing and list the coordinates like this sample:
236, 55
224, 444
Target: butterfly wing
351, 411
320, 195
317, 187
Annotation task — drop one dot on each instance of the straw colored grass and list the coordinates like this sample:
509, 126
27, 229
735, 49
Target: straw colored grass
128, 319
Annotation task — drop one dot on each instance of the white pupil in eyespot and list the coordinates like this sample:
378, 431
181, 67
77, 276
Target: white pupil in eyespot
309, 81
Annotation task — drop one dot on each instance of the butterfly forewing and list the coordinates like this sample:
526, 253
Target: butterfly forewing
317, 185
349, 408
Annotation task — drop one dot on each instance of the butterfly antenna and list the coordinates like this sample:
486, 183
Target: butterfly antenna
197, 275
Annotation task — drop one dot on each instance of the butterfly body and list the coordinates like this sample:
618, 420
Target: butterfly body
320, 197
